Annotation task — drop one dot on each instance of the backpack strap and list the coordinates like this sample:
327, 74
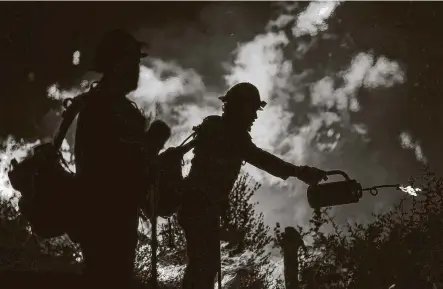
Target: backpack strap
68, 118
186, 146
73, 107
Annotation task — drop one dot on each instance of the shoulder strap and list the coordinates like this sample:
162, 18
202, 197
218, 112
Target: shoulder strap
73, 107
185, 147
184, 142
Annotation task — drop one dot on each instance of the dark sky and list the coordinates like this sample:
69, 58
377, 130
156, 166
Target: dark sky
40, 37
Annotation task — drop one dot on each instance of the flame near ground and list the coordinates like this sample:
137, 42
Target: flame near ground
410, 190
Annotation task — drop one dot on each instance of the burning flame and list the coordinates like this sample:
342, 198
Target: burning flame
12, 149
410, 190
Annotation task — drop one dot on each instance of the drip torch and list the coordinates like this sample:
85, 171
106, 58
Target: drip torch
344, 192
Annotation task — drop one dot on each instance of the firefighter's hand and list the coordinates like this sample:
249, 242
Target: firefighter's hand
310, 175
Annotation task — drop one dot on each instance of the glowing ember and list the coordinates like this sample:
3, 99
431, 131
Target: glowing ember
76, 58
410, 190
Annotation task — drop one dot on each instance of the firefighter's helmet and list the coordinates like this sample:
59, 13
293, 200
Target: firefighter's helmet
244, 94
115, 46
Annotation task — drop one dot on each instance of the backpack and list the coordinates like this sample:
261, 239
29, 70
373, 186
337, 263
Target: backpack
166, 183
45, 182
164, 193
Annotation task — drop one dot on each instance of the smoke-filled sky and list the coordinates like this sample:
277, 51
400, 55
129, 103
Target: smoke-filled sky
350, 86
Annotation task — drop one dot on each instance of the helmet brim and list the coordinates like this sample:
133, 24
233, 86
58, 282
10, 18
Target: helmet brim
261, 105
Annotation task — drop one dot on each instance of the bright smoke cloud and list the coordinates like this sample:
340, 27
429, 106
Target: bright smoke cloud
263, 63
180, 97
407, 142
362, 72
313, 19
56, 93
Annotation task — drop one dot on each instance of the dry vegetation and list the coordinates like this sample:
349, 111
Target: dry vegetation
402, 247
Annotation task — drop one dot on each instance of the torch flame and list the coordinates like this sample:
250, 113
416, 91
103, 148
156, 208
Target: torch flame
410, 190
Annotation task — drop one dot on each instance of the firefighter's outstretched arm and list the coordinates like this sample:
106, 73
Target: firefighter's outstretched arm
279, 168
268, 162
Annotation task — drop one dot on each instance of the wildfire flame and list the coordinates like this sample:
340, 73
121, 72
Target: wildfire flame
410, 190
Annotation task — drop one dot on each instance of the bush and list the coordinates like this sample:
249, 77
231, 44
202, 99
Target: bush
401, 247
245, 238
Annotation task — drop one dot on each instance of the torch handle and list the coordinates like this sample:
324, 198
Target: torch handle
338, 172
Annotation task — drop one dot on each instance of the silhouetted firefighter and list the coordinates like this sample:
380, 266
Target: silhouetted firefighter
110, 163
221, 145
